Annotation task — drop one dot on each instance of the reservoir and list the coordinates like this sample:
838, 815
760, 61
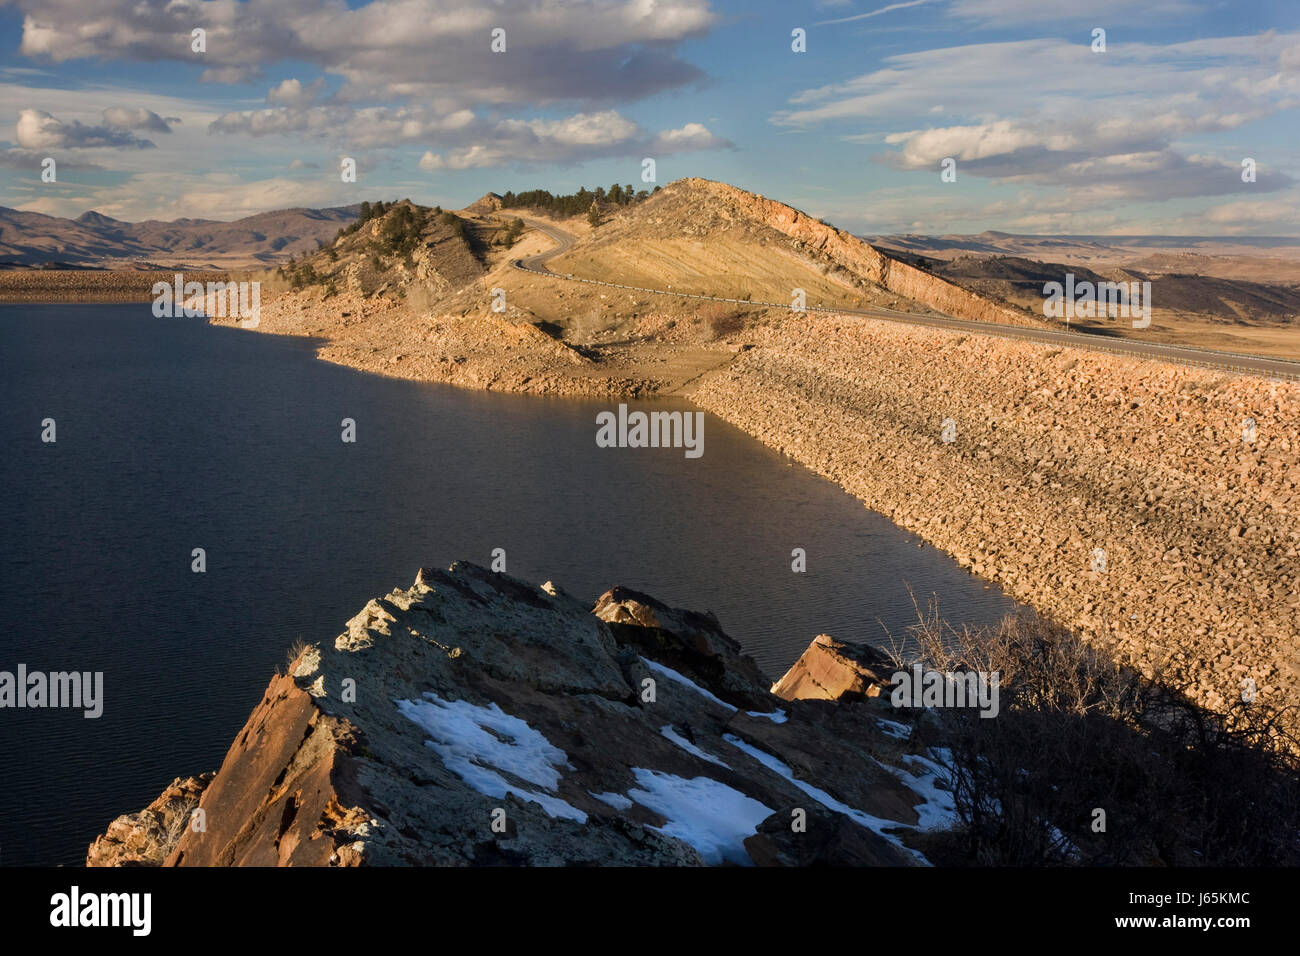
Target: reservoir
172, 436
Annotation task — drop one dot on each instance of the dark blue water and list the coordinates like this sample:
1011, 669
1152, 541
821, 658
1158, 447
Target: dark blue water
173, 435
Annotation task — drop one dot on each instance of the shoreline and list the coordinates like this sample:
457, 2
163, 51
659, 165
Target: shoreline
1085, 450
90, 286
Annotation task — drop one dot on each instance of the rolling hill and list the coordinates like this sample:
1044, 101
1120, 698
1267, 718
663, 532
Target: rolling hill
95, 241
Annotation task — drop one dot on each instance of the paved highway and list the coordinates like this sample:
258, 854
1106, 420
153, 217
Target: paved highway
1186, 355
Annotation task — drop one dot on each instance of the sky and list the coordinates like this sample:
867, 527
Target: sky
1045, 125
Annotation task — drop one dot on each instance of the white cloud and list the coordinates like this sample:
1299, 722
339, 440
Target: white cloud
903, 5
378, 76
689, 137
39, 130
577, 138
474, 157
173, 195
583, 129
1053, 113
138, 118
1248, 213
923, 149
1013, 12
292, 93
410, 49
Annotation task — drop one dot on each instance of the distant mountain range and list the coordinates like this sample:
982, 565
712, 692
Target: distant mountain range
95, 241
1255, 258
992, 242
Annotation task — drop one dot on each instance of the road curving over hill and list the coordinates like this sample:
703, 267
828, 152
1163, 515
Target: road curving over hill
1262, 366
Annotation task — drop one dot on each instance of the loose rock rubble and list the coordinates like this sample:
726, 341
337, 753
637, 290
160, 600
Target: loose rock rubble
1187, 482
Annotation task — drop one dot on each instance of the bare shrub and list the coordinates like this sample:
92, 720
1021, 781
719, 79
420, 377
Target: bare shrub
722, 319
176, 826
292, 654
1076, 733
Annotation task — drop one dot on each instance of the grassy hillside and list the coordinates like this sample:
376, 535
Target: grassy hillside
687, 237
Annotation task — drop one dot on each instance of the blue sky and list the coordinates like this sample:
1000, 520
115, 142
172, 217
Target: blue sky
1047, 134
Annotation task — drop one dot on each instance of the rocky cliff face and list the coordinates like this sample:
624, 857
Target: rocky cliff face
475, 719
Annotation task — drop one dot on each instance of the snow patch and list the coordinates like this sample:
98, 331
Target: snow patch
682, 679
710, 816
777, 716
939, 809
476, 742
615, 800
1064, 844
893, 728
876, 825
690, 748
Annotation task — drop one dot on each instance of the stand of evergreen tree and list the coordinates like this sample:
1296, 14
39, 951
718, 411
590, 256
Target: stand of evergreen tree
574, 204
368, 212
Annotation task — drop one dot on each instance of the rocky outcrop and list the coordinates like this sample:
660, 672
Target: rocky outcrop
285, 794
146, 838
831, 670
475, 719
487, 203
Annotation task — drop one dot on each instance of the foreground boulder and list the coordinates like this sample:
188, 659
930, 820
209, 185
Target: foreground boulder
474, 719
831, 670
